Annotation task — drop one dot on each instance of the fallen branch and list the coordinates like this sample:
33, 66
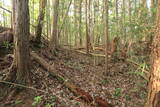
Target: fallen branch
69, 84
145, 71
32, 88
93, 54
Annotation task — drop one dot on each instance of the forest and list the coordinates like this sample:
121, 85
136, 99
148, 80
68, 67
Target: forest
79, 53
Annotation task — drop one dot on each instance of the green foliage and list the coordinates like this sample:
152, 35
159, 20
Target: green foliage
140, 70
7, 44
137, 73
140, 26
48, 105
53, 98
117, 92
105, 81
18, 102
37, 100
128, 97
51, 101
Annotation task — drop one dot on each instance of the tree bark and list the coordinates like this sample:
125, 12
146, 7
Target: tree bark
22, 56
54, 38
13, 15
87, 33
153, 99
124, 18
106, 35
153, 6
117, 17
40, 20
75, 23
144, 3
80, 23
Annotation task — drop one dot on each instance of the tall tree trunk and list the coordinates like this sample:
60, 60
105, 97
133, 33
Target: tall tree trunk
22, 56
153, 99
80, 23
153, 6
54, 38
117, 17
75, 22
144, 3
152, 3
87, 34
40, 20
124, 18
13, 14
32, 17
135, 8
106, 35
4, 18
144, 9
47, 18
90, 25
130, 11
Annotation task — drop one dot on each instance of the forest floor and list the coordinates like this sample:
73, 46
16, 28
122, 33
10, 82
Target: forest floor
120, 87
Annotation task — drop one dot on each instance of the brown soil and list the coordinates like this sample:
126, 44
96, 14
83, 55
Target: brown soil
118, 87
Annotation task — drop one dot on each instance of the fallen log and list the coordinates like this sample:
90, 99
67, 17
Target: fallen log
69, 84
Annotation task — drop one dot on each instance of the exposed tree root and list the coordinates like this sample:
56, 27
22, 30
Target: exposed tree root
11, 73
10, 89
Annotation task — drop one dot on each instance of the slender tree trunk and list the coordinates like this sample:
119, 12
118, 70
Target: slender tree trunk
102, 21
4, 18
13, 14
144, 3
130, 11
87, 34
135, 8
153, 6
32, 21
124, 18
40, 20
106, 35
80, 23
152, 3
22, 56
90, 25
75, 22
47, 18
54, 38
64, 18
144, 9
153, 99
117, 17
